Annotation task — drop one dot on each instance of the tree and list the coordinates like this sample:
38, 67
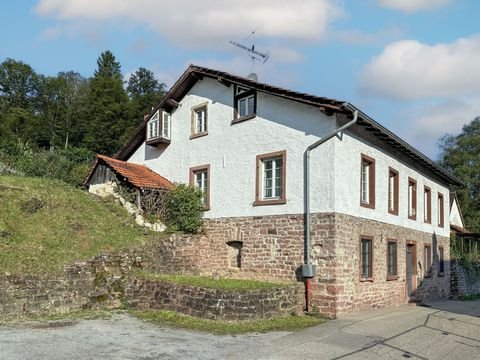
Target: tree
461, 156
18, 84
18, 95
106, 112
144, 90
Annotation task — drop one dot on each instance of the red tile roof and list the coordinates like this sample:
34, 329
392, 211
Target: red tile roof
139, 176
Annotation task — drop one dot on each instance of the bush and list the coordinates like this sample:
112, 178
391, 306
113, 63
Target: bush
184, 209
69, 165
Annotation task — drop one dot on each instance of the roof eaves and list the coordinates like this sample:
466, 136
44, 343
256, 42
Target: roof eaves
397, 142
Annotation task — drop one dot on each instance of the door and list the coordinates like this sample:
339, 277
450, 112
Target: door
411, 265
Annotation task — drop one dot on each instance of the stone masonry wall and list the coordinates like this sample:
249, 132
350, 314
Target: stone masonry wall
272, 248
31, 295
352, 294
462, 282
214, 303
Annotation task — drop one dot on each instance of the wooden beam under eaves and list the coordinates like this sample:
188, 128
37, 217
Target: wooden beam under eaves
197, 76
173, 103
223, 81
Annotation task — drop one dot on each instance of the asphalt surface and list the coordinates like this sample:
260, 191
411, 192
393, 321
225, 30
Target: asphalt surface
446, 330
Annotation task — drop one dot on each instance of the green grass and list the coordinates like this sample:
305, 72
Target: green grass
470, 297
45, 224
209, 282
170, 318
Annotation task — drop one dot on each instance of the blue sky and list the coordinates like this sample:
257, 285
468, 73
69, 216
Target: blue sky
412, 65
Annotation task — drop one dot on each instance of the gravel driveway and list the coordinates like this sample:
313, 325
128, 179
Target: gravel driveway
446, 330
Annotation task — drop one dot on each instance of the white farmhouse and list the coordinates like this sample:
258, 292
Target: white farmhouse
379, 209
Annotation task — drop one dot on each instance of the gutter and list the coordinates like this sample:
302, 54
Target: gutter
308, 269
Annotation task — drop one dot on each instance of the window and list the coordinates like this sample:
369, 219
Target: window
392, 262
158, 128
427, 260
166, 125
440, 210
270, 179
441, 261
367, 182
393, 191
152, 126
200, 177
366, 258
245, 104
199, 121
427, 205
412, 199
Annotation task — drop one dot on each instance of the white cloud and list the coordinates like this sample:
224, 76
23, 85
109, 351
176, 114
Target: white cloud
427, 124
194, 23
409, 69
357, 37
411, 6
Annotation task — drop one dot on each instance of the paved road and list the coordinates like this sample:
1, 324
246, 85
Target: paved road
446, 330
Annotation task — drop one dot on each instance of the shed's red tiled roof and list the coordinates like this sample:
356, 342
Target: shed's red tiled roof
139, 176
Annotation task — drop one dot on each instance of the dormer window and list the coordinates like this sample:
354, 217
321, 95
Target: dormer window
152, 127
245, 104
159, 128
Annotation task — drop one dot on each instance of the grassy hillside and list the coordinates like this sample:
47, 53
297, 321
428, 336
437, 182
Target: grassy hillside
45, 224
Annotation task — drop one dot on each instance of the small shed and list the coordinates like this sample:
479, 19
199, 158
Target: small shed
134, 183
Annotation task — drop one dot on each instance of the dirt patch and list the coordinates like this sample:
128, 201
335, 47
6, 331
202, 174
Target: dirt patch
31, 206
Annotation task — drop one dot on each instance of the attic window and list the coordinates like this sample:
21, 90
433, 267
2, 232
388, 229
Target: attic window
159, 128
153, 126
245, 104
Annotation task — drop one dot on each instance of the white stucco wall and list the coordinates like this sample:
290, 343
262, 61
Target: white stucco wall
347, 174
455, 217
231, 151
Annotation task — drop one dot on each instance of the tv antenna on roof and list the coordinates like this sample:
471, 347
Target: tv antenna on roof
255, 55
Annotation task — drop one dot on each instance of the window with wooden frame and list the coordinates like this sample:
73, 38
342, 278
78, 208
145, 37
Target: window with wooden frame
392, 260
366, 258
440, 210
244, 103
200, 177
199, 121
367, 182
427, 260
427, 205
393, 191
441, 261
270, 178
412, 199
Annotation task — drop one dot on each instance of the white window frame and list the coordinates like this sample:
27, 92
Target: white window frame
249, 108
365, 181
166, 125
201, 181
153, 124
411, 209
276, 181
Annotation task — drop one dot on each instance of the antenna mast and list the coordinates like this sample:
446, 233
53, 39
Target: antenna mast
252, 53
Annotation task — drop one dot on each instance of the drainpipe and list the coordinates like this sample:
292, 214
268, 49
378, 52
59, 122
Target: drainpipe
308, 269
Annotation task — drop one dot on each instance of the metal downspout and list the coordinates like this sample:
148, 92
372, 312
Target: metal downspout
308, 270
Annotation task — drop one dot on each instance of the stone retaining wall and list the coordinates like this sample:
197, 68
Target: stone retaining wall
30, 295
462, 283
215, 304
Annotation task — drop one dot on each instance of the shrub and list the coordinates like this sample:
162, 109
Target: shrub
184, 209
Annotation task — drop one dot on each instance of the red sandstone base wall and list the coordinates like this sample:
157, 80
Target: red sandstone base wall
272, 248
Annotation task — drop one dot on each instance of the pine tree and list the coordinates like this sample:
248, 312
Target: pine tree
106, 110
